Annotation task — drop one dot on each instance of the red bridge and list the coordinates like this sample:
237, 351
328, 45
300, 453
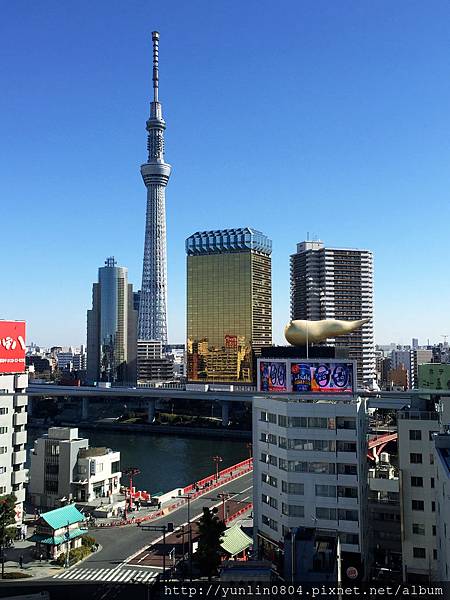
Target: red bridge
377, 444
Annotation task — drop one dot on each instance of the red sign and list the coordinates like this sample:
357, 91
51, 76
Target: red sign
12, 346
231, 341
352, 572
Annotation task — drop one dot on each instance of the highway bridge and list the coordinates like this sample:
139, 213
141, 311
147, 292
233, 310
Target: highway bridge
376, 399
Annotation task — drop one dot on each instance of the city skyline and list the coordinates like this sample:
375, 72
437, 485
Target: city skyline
388, 150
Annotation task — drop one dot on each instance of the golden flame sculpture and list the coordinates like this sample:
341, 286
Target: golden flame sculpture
300, 332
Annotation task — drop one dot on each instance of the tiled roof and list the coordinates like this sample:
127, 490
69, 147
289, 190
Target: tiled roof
235, 541
61, 517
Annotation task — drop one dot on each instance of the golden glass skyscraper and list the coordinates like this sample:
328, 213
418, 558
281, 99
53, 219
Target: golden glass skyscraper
229, 304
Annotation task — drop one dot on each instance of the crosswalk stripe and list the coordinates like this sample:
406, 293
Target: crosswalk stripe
111, 574
117, 574
98, 574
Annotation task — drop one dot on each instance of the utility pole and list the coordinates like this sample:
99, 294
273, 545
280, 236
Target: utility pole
217, 460
130, 471
163, 529
67, 536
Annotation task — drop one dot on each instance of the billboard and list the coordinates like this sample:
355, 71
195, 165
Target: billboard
12, 346
272, 376
336, 377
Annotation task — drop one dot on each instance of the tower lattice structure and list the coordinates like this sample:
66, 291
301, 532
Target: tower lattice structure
155, 173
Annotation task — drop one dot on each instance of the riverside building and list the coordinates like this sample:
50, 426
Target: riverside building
229, 304
336, 283
111, 327
310, 471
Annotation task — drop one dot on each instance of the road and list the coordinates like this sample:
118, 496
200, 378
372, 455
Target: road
120, 545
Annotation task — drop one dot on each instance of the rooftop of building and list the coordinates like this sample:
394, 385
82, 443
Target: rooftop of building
217, 241
93, 452
61, 517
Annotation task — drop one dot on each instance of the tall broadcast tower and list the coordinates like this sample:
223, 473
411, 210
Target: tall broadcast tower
155, 173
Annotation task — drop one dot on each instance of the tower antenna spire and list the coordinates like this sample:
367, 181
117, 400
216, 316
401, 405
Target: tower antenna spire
155, 38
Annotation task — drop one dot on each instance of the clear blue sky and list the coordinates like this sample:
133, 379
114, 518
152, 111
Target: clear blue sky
296, 116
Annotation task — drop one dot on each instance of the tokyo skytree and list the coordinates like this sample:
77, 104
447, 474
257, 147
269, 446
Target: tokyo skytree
155, 172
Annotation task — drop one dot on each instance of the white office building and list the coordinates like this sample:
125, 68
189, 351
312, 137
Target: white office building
310, 471
13, 437
64, 468
442, 462
418, 493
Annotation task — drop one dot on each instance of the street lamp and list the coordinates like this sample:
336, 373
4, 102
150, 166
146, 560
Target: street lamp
188, 498
249, 448
130, 471
217, 460
163, 529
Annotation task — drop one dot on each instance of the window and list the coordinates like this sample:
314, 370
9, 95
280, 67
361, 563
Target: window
3, 430
282, 464
3, 449
268, 417
297, 422
282, 421
432, 482
344, 469
345, 423
434, 529
282, 442
416, 481
269, 522
2, 470
51, 485
415, 458
268, 459
419, 552
115, 466
269, 500
346, 446
293, 510
431, 459
347, 492
270, 438
293, 488
328, 514
418, 529
435, 554
52, 469
266, 478
417, 505
433, 506
347, 515
321, 468
326, 491
317, 445
3, 489
349, 538
3, 410
415, 434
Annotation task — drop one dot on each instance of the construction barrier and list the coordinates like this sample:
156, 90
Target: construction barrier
246, 465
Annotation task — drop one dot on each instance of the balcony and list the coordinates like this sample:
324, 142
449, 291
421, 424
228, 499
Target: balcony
20, 419
19, 438
18, 477
20, 495
20, 400
19, 457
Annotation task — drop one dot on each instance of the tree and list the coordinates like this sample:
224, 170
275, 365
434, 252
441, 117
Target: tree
7, 518
210, 530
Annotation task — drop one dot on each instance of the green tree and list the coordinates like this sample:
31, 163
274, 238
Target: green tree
210, 530
7, 518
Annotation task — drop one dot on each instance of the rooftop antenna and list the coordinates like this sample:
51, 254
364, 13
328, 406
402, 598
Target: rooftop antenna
155, 38
307, 236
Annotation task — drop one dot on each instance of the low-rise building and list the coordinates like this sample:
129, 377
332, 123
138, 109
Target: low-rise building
64, 468
58, 531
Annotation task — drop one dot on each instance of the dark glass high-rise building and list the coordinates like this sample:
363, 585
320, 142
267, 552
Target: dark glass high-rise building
229, 304
111, 327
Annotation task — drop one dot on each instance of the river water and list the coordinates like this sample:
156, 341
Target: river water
165, 461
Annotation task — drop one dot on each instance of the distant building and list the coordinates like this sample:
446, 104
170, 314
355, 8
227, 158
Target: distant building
336, 283
111, 327
415, 344
229, 304
419, 357
398, 378
64, 468
434, 375
151, 364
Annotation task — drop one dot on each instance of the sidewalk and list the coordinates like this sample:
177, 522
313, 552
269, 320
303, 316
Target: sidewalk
31, 565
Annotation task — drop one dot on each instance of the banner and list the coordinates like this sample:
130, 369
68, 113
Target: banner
12, 346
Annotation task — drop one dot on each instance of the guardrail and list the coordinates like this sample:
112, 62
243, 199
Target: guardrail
240, 512
243, 467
